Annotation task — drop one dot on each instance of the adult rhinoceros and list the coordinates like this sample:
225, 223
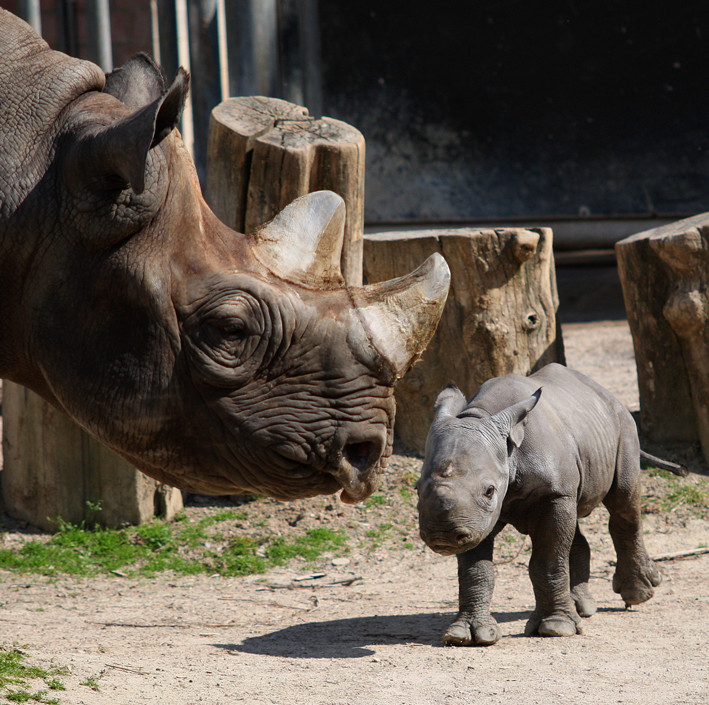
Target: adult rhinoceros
212, 360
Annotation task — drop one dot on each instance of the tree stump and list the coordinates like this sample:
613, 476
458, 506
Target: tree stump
263, 153
52, 468
665, 277
501, 314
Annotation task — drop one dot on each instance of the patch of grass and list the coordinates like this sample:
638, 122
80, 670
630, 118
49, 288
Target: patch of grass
15, 679
91, 682
375, 500
377, 536
156, 547
678, 492
407, 493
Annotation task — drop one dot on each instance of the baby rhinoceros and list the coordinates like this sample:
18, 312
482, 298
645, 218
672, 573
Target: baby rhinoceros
535, 452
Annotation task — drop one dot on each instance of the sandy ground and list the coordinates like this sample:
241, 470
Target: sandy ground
272, 639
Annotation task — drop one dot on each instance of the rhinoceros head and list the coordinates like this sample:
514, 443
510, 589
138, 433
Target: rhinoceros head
213, 360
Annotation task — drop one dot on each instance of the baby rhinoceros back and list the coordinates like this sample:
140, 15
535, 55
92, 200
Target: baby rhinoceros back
535, 452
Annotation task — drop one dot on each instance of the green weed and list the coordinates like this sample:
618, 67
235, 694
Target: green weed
91, 682
15, 679
374, 500
156, 547
679, 493
377, 536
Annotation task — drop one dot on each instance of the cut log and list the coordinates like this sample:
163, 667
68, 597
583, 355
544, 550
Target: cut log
53, 469
263, 153
501, 314
665, 277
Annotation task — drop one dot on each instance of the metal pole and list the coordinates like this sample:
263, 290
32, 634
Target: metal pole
223, 50
29, 11
155, 31
99, 31
183, 59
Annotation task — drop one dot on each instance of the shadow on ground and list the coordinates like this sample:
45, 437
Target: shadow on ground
354, 638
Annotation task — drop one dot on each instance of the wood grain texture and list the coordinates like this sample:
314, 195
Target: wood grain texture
264, 152
501, 314
665, 277
52, 468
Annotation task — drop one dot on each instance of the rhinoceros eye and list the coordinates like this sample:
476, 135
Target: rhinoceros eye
490, 491
234, 330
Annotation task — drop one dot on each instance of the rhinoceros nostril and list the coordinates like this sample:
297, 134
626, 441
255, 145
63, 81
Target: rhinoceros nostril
361, 455
463, 537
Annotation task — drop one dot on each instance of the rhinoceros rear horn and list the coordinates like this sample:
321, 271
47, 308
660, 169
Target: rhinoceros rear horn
121, 149
400, 316
303, 243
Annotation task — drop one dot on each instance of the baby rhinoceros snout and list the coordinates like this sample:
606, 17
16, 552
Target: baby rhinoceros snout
442, 528
450, 543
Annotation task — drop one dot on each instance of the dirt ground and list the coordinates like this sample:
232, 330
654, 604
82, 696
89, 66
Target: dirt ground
365, 629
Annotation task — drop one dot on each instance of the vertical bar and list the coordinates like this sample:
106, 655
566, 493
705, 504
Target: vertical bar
29, 11
166, 30
310, 56
299, 53
155, 31
183, 59
66, 21
252, 29
223, 50
99, 33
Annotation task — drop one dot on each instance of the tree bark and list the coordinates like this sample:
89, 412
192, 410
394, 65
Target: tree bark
501, 314
53, 469
264, 152
665, 277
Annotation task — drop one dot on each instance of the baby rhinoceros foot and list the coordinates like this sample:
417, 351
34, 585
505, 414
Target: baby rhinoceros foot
558, 624
637, 586
583, 600
471, 633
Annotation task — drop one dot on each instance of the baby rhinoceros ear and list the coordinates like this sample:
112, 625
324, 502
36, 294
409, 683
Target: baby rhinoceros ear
510, 421
449, 402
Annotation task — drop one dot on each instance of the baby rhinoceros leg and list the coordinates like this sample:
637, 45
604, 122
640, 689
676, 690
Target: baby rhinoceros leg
474, 624
552, 537
580, 570
636, 575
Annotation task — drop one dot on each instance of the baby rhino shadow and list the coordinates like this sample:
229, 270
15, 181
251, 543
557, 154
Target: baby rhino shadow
353, 638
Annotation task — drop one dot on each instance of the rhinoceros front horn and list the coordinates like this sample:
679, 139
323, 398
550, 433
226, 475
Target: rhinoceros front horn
303, 244
401, 315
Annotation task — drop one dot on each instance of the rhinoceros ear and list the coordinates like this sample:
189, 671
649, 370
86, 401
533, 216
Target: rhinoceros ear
121, 149
138, 82
303, 243
400, 316
510, 421
449, 402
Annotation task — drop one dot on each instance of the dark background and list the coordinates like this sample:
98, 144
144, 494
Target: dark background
513, 108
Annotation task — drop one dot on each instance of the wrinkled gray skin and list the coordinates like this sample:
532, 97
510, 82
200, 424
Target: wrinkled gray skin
535, 452
212, 360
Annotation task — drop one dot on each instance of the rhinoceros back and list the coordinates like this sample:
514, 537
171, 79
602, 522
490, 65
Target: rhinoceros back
36, 85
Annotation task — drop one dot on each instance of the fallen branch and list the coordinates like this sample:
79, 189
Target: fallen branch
294, 585
681, 554
139, 671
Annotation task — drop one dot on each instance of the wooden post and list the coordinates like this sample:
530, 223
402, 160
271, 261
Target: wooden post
52, 469
263, 153
501, 314
665, 277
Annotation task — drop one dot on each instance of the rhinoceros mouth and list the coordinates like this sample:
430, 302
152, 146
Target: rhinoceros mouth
450, 544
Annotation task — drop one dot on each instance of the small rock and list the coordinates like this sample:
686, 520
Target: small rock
340, 561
